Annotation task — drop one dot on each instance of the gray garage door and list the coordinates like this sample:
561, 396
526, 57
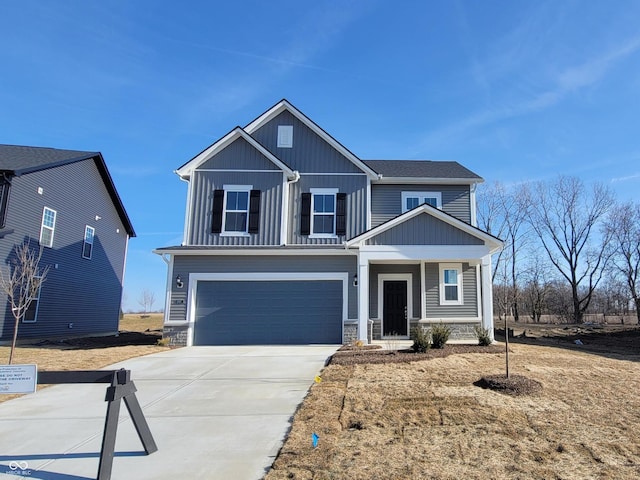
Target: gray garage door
268, 312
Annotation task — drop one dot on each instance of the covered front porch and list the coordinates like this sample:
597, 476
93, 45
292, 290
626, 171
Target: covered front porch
422, 268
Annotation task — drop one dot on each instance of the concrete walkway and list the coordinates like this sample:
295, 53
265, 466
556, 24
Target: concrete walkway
214, 412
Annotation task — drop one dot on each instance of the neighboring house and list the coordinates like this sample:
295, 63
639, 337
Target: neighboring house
291, 238
64, 202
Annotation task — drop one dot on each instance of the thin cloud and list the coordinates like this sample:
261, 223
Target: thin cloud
627, 178
568, 81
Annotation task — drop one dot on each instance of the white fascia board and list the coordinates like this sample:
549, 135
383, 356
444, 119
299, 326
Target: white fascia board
429, 180
450, 253
233, 250
493, 243
233, 135
284, 105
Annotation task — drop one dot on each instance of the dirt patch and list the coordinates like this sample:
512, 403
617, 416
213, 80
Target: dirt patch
427, 420
122, 339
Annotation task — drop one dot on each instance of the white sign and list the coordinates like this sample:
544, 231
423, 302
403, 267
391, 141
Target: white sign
18, 378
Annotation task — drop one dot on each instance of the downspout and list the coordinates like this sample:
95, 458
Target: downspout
284, 230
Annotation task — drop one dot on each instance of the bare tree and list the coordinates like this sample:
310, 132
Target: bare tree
623, 227
147, 299
506, 212
566, 217
536, 288
21, 283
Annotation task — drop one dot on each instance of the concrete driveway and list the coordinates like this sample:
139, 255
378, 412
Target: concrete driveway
214, 412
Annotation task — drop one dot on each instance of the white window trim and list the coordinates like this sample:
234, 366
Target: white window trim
451, 266
93, 235
285, 136
43, 226
324, 191
421, 195
235, 188
37, 300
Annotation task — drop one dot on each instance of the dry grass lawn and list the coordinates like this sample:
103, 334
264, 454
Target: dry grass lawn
426, 420
80, 355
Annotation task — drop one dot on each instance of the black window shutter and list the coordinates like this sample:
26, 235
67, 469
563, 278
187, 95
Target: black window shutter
254, 211
305, 218
216, 217
341, 209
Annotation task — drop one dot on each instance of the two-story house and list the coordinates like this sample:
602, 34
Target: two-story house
64, 203
290, 238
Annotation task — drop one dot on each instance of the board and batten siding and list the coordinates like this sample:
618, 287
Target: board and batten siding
183, 265
355, 186
79, 296
424, 229
203, 184
386, 200
310, 153
469, 308
239, 155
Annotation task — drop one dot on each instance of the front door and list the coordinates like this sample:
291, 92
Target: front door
394, 311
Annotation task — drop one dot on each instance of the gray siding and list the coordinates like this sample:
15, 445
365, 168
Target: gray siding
355, 186
376, 269
239, 155
186, 264
386, 200
424, 230
469, 292
310, 153
203, 185
85, 293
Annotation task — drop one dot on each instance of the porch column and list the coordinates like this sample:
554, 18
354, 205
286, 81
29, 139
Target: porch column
487, 295
363, 298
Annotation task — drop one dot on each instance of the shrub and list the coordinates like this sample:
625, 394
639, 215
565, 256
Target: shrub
484, 339
420, 340
439, 335
164, 342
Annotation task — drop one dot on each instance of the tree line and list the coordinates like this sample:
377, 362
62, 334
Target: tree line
570, 249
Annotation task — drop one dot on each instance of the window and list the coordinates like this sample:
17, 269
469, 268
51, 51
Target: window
236, 210
323, 213
4, 198
31, 315
411, 200
285, 136
87, 246
451, 284
48, 227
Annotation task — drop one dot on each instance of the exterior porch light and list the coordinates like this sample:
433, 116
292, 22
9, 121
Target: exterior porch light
179, 283
355, 279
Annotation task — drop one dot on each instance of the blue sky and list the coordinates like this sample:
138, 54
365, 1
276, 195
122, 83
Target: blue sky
514, 90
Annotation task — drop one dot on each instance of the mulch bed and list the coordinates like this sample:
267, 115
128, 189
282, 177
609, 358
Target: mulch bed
515, 385
360, 355
150, 337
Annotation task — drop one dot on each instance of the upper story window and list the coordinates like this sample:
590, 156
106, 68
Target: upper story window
285, 136
411, 200
450, 284
48, 227
87, 246
236, 210
4, 198
323, 213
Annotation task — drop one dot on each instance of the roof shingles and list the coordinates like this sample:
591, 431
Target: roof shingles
422, 169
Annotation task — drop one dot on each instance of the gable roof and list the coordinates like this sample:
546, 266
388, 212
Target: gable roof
20, 160
283, 105
425, 170
494, 243
187, 169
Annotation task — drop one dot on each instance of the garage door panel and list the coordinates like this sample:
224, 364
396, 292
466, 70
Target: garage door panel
268, 312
